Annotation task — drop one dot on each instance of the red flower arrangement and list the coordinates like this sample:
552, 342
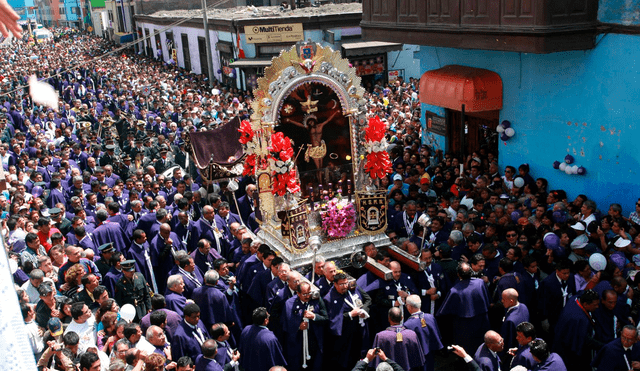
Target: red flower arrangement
377, 163
284, 174
246, 138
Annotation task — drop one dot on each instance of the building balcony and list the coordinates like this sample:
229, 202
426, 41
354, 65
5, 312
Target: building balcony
531, 26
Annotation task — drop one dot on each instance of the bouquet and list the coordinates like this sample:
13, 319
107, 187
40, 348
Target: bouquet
377, 163
282, 165
246, 139
338, 218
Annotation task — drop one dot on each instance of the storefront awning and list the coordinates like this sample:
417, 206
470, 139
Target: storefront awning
250, 63
369, 48
453, 86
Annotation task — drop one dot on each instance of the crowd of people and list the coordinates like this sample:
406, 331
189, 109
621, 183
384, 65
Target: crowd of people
125, 258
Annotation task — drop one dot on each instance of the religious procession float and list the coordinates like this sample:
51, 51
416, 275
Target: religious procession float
316, 158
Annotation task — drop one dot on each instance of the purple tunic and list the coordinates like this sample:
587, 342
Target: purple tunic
428, 335
260, 349
407, 353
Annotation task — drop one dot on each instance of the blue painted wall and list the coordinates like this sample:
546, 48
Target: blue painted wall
22, 8
626, 12
585, 103
68, 6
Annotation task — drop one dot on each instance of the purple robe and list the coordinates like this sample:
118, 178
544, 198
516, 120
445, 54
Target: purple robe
259, 286
467, 305
185, 342
428, 335
260, 349
111, 232
513, 317
292, 316
204, 262
553, 363
346, 336
572, 333
176, 302
612, 357
207, 364
214, 307
173, 321
523, 357
407, 353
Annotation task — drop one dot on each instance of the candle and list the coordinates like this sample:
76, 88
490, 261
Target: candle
311, 194
330, 186
349, 186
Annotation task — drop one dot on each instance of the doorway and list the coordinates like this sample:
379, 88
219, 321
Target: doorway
479, 132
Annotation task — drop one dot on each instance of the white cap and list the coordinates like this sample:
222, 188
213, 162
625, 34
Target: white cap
622, 242
578, 226
397, 177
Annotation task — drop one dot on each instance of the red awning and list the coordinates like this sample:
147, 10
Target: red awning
452, 86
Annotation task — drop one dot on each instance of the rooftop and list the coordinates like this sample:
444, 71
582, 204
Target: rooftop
263, 12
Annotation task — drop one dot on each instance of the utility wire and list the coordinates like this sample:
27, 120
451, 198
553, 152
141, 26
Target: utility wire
128, 45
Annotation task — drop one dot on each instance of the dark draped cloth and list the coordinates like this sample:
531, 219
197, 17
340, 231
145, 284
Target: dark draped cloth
466, 307
407, 352
260, 349
428, 335
218, 144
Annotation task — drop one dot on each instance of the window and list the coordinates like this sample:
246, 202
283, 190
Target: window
185, 52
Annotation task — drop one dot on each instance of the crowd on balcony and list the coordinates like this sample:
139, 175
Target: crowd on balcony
123, 260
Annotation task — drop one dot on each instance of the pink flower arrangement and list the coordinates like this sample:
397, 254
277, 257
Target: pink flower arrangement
338, 218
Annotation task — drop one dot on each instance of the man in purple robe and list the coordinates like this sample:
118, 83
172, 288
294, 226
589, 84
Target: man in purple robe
348, 310
400, 343
525, 334
302, 313
172, 319
175, 294
190, 335
515, 314
191, 274
546, 361
466, 307
325, 282
487, 355
140, 252
275, 287
425, 326
620, 354
203, 256
262, 281
574, 338
432, 283
162, 247
391, 294
215, 307
259, 348
208, 360
106, 232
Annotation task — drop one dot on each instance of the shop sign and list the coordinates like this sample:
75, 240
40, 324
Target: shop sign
436, 124
275, 33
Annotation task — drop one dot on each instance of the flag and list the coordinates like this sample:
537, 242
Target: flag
240, 51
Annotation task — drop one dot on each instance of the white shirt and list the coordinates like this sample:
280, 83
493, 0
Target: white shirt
145, 345
86, 332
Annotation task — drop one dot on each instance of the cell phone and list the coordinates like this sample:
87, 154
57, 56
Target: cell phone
377, 350
450, 348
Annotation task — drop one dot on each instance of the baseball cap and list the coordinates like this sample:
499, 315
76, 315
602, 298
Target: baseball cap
55, 326
397, 177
